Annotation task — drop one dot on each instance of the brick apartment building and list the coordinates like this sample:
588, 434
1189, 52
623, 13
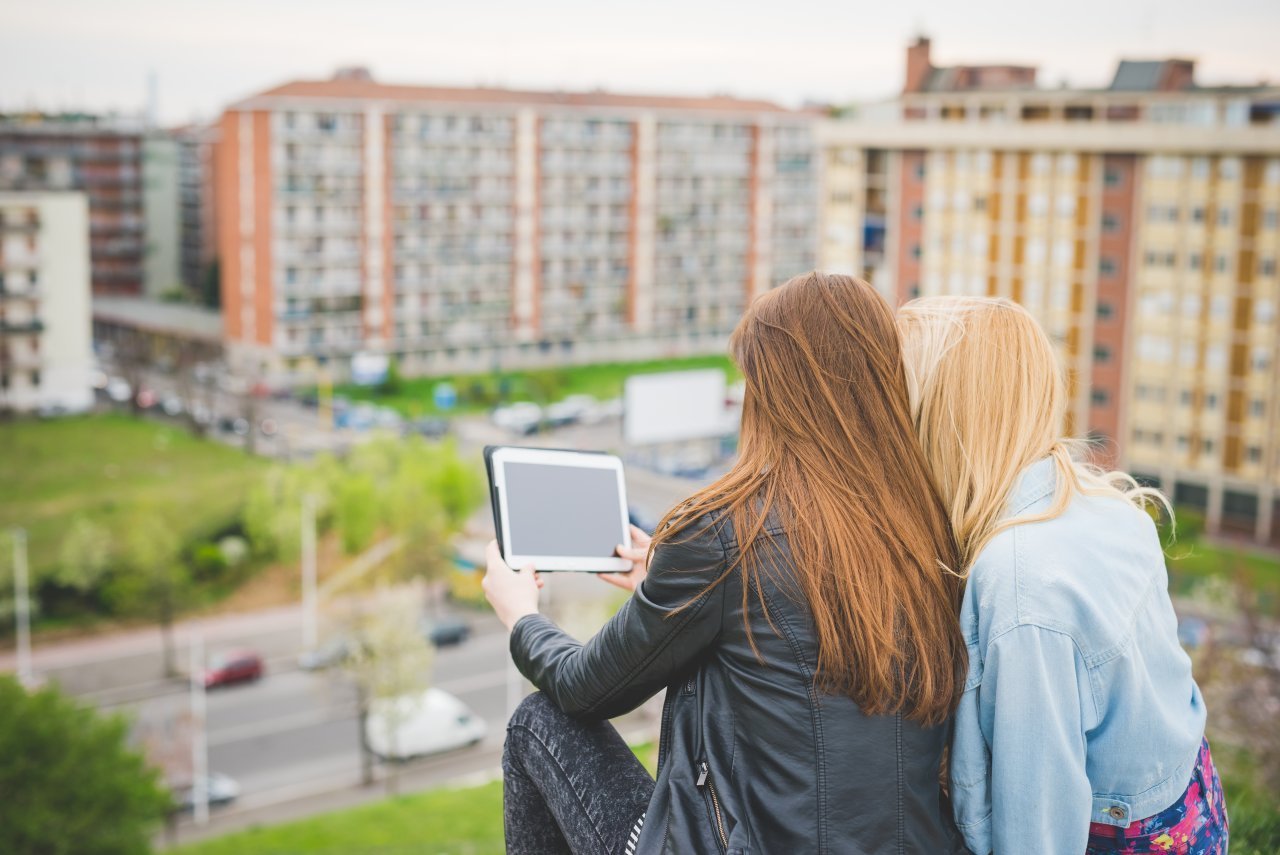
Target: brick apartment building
1140, 223
100, 156
460, 229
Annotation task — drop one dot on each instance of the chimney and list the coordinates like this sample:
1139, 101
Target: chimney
1177, 74
918, 65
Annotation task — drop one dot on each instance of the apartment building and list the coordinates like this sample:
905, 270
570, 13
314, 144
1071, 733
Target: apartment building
468, 229
1138, 222
45, 353
101, 156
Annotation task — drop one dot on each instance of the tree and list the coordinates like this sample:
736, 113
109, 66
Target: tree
149, 577
72, 786
393, 383
84, 556
389, 659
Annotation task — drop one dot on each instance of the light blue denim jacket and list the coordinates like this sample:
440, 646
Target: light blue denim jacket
1079, 705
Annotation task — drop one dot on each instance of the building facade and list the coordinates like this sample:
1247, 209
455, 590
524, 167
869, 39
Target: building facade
1137, 222
45, 352
102, 157
162, 217
464, 229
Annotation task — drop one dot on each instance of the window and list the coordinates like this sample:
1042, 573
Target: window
1210, 401
1270, 218
1206, 446
1100, 397
1105, 311
1220, 263
1185, 397
915, 251
1224, 216
1106, 266
1267, 267
35, 378
1101, 353
1197, 214
1112, 177
920, 170
1258, 408
1195, 262
1254, 454
1110, 223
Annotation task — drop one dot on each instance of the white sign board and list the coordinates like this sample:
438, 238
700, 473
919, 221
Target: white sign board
674, 406
369, 369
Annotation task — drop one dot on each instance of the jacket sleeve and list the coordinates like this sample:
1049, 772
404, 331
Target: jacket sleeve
641, 648
1032, 707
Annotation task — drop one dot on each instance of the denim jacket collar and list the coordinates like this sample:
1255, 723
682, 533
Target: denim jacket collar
1035, 482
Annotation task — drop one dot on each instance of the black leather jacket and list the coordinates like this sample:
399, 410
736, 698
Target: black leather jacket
752, 758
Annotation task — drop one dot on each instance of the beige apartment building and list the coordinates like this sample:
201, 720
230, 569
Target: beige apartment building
1138, 222
468, 229
45, 352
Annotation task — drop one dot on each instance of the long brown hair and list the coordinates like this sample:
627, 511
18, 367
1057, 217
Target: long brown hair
829, 452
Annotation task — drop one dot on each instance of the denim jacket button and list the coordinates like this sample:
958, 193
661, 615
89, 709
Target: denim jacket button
1117, 812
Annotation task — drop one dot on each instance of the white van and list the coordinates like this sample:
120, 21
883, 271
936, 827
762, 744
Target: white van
419, 724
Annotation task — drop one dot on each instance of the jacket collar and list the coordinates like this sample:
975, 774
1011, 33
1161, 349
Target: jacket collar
1034, 483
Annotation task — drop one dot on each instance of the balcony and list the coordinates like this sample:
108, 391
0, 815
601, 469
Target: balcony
32, 327
29, 225
29, 293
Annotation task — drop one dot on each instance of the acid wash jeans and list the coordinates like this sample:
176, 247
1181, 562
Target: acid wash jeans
569, 786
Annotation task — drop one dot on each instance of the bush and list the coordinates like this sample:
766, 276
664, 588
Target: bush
208, 563
71, 785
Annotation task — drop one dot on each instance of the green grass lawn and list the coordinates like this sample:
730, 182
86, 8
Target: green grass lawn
52, 471
479, 392
1194, 559
464, 821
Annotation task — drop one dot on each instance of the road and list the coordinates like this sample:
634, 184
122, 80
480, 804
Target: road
297, 731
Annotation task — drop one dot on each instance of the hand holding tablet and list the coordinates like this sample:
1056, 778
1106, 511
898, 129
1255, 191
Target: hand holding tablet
559, 510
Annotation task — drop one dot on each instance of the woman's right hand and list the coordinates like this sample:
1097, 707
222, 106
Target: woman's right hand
638, 555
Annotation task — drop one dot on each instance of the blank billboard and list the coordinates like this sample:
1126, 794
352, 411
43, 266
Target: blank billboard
675, 406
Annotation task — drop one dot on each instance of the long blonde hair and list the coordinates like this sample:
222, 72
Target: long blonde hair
988, 398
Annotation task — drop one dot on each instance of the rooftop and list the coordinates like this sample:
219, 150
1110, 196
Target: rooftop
177, 319
357, 84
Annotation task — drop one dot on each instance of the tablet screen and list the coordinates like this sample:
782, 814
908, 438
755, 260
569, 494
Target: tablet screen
562, 510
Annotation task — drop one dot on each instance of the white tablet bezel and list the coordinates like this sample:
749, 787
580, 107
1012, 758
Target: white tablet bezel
503, 456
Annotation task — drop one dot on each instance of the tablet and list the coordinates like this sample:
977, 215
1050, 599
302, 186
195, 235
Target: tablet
558, 510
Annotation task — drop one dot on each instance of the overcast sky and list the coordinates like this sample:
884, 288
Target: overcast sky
97, 54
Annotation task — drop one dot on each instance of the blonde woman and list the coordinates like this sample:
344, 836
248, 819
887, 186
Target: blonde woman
1081, 728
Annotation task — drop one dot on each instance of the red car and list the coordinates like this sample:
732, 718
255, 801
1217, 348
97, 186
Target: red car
235, 666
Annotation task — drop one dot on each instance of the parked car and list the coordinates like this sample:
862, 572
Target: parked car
430, 428
445, 632
119, 390
234, 666
172, 405
221, 790
331, 653
419, 724
523, 418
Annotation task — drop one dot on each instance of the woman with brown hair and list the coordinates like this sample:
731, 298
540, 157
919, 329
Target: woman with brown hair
800, 612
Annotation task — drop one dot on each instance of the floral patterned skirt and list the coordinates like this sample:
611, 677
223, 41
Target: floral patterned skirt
1196, 824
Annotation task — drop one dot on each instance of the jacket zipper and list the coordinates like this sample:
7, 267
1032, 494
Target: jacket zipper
704, 781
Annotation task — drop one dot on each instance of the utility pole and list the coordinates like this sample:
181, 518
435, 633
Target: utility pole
199, 743
22, 606
310, 620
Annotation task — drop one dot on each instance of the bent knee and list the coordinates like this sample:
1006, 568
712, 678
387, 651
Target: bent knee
535, 710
